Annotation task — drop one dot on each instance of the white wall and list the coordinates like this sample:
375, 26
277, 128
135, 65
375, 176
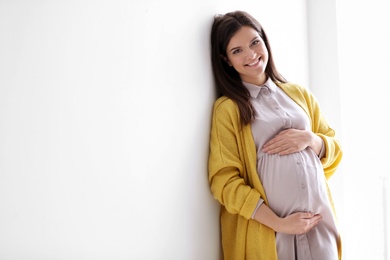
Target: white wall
323, 57
363, 38
325, 83
104, 120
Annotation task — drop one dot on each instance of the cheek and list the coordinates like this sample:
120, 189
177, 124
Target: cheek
235, 61
266, 56
265, 51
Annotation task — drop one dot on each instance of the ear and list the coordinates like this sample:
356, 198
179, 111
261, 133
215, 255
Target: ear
226, 60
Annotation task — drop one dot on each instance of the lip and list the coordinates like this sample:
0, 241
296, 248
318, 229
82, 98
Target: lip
254, 63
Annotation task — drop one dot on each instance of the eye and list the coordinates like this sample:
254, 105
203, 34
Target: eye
255, 42
235, 51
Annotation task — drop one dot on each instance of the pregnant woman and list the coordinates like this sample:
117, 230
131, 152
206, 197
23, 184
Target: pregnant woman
271, 153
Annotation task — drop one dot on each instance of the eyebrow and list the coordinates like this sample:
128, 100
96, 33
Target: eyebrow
232, 49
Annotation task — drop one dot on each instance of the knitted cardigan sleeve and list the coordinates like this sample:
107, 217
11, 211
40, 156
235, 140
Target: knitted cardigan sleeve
227, 167
319, 126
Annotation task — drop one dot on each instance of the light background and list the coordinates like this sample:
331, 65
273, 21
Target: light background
105, 110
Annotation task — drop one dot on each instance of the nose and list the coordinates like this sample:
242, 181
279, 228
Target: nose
251, 54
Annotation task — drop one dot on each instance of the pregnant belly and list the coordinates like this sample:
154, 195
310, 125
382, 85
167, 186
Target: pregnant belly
293, 182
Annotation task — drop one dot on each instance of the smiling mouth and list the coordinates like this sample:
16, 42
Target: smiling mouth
253, 64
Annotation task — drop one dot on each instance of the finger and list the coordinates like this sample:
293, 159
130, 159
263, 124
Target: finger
275, 147
274, 141
287, 151
307, 215
315, 221
269, 143
278, 150
284, 131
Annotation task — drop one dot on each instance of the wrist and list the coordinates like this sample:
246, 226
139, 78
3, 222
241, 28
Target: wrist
316, 143
267, 217
278, 224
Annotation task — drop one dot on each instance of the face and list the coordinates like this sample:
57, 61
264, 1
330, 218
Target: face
248, 55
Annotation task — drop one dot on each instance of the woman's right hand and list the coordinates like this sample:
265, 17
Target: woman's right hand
298, 223
294, 224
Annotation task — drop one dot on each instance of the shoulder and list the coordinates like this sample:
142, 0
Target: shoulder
297, 92
226, 110
301, 95
225, 104
293, 88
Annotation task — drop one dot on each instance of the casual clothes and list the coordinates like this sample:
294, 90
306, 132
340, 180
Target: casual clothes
240, 174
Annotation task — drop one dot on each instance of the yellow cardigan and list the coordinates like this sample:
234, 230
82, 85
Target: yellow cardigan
234, 181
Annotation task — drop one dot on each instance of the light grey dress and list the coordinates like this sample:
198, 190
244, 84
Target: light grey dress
294, 182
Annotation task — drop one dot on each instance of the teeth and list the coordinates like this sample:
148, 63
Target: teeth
251, 64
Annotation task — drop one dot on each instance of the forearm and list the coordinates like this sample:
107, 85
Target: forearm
267, 217
316, 143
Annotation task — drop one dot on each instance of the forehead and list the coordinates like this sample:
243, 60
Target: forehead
242, 37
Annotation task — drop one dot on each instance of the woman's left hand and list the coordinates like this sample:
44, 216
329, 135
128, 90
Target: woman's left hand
291, 141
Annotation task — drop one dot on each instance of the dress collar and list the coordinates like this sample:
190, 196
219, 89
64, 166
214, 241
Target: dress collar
254, 90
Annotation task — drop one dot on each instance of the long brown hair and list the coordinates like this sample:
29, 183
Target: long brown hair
227, 79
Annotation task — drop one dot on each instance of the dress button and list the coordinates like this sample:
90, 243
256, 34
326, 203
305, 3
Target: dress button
303, 186
298, 162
